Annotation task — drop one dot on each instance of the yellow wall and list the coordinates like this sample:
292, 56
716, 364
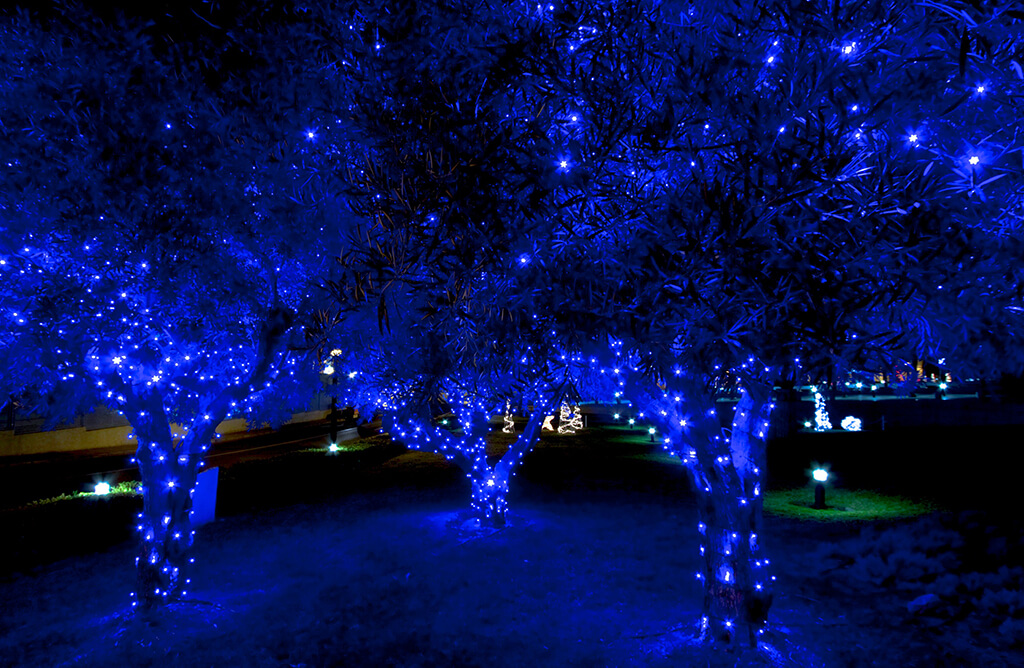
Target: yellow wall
80, 438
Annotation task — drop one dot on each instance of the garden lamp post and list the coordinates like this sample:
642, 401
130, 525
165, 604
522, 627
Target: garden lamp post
820, 476
329, 372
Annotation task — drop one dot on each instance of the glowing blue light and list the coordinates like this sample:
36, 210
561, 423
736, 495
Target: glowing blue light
102, 488
821, 475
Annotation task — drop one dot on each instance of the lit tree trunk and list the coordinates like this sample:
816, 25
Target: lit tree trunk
490, 484
726, 468
168, 468
468, 450
727, 476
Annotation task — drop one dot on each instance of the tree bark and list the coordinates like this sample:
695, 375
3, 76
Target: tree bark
168, 470
726, 468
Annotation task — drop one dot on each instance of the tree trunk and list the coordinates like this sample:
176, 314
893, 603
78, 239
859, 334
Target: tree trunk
726, 468
737, 582
168, 472
490, 492
165, 527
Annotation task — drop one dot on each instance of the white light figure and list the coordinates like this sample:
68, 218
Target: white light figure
102, 488
850, 423
577, 418
565, 420
547, 423
510, 426
821, 419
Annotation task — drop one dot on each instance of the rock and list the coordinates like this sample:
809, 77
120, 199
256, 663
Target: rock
923, 604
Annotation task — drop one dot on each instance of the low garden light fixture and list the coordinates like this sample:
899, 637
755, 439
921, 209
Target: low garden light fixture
333, 447
652, 431
102, 488
631, 422
820, 476
615, 417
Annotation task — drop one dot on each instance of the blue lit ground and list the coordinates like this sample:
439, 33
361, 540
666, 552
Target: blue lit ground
595, 569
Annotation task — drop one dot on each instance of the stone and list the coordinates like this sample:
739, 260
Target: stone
204, 501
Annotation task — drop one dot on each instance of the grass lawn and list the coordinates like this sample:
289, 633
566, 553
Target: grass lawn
368, 558
843, 505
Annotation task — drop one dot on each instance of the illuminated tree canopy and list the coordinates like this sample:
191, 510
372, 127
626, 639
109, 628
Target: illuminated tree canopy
161, 250
508, 204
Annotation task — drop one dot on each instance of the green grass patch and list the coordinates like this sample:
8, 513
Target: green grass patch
357, 445
843, 505
127, 488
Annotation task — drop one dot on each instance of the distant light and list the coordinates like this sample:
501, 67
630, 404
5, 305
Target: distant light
821, 475
524, 259
807, 424
310, 135
912, 139
564, 164
848, 49
782, 128
771, 59
651, 431
102, 488
631, 421
981, 89
615, 417
942, 386
333, 447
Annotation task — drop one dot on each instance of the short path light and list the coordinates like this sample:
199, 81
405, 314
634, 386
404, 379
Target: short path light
333, 447
631, 422
820, 476
652, 431
102, 488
